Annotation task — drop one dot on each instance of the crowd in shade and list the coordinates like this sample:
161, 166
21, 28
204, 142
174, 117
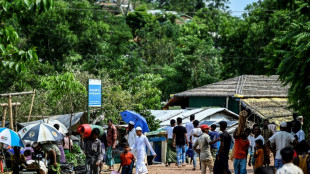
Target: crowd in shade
250, 148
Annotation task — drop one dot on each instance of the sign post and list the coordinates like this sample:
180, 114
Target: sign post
94, 95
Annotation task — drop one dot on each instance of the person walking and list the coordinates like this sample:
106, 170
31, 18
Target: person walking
140, 143
266, 133
131, 133
281, 140
256, 136
297, 131
204, 150
194, 135
111, 142
189, 127
213, 136
171, 156
242, 145
127, 161
93, 150
288, 167
179, 141
221, 162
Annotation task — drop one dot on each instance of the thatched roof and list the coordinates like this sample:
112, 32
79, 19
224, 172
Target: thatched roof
245, 85
270, 108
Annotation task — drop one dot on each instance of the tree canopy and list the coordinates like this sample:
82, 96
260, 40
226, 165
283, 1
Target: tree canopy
143, 58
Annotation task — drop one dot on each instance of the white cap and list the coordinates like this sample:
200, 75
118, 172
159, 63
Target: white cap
283, 124
131, 122
139, 128
300, 117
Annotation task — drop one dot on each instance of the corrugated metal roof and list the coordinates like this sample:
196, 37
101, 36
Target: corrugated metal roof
183, 115
164, 115
200, 114
211, 111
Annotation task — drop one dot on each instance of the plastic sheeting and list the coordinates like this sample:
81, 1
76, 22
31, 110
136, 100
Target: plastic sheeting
64, 119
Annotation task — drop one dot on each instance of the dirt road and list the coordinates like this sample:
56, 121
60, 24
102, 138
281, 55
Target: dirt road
161, 169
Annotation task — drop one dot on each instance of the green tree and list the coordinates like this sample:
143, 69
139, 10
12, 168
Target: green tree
12, 55
288, 55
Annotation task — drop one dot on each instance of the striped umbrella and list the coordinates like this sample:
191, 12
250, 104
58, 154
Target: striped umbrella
40, 132
9, 137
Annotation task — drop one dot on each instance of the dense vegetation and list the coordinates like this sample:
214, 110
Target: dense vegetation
143, 58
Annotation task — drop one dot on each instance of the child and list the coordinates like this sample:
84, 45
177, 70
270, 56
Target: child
127, 161
140, 147
303, 159
259, 154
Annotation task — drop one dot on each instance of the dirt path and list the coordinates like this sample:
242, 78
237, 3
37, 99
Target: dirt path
161, 169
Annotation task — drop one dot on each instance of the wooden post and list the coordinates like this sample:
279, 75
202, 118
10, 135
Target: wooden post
34, 93
4, 115
10, 112
227, 100
15, 118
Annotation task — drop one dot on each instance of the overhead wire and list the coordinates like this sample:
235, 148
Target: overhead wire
165, 12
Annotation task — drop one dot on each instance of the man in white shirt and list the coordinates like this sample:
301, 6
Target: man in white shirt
297, 131
256, 136
189, 126
288, 168
281, 140
131, 133
140, 145
195, 134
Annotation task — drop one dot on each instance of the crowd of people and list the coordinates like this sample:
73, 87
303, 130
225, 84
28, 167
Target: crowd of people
98, 148
247, 147
251, 147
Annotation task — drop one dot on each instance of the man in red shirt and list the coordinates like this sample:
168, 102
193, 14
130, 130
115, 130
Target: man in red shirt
241, 151
127, 161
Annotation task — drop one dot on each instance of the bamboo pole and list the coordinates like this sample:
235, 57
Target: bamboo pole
17, 93
13, 104
34, 93
15, 118
10, 112
4, 115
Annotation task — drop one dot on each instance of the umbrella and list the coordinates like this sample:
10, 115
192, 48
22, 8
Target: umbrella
40, 132
9, 137
62, 128
137, 118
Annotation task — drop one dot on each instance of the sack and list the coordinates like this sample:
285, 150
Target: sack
242, 122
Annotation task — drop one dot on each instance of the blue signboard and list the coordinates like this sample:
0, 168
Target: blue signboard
94, 93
